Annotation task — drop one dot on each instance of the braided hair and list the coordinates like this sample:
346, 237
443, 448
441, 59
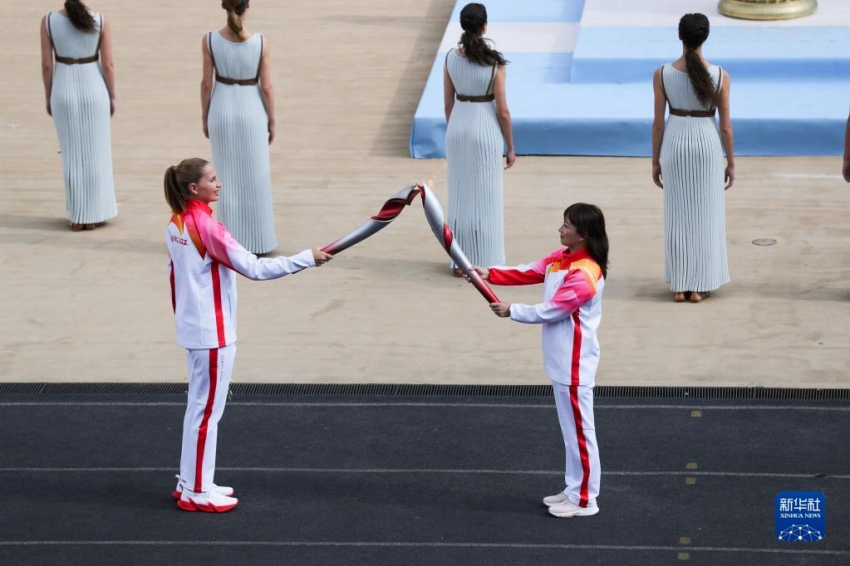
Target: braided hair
693, 31
80, 16
473, 18
235, 9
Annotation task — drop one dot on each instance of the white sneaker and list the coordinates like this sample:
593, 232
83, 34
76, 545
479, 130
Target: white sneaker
207, 501
555, 499
569, 509
220, 489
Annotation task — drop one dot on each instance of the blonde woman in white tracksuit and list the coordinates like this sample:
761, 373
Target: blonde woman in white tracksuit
573, 279
204, 262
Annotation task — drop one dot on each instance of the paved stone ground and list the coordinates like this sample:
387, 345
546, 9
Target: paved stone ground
94, 306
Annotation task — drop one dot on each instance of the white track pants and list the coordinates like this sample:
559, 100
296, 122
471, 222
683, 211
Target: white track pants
575, 413
209, 382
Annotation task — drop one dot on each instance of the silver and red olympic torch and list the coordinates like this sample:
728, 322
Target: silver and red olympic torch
434, 214
387, 214
441, 230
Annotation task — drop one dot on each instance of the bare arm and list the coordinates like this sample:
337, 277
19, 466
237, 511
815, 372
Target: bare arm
206, 84
46, 64
845, 170
658, 128
726, 135
504, 116
266, 88
107, 66
448, 93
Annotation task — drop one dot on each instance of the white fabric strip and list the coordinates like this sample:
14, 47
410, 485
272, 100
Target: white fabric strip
549, 406
274, 470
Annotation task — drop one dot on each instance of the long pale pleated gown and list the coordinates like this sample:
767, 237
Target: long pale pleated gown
79, 102
474, 149
239, 135
692, 168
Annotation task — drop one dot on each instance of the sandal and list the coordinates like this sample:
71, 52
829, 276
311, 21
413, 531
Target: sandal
698, 297
457, 272
75, 227
679, 297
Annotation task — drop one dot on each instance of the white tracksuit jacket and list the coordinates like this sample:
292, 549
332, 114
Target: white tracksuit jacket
570, 312
204, 260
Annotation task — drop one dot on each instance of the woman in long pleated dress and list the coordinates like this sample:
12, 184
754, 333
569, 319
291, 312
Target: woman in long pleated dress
79, 87
478, 134
688, 164
237, 102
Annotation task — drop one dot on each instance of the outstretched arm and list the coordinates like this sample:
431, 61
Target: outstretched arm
525, 274
223, 248
577, 289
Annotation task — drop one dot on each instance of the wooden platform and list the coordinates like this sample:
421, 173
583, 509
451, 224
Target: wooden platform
94, 306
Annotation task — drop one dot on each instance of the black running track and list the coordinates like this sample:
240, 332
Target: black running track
447, 476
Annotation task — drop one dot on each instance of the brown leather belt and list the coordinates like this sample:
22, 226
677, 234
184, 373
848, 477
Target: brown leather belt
242, 82
482, 98
72, 61
693, 113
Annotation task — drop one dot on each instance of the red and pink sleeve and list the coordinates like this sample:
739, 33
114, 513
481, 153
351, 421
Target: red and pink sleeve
525, 274
223, 248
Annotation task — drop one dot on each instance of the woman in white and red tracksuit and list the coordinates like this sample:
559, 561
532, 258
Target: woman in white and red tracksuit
570, 313
204, 262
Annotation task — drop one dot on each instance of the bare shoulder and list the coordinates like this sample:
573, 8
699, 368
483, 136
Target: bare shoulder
657, 76
680, 65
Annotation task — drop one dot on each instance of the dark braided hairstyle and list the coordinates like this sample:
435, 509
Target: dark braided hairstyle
235, 9
693, 31
473, 17
80, 16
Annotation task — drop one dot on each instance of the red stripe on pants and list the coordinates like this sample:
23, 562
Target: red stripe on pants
582, 446
173, 290
575, 367
219, 315
202, 431
574, 401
